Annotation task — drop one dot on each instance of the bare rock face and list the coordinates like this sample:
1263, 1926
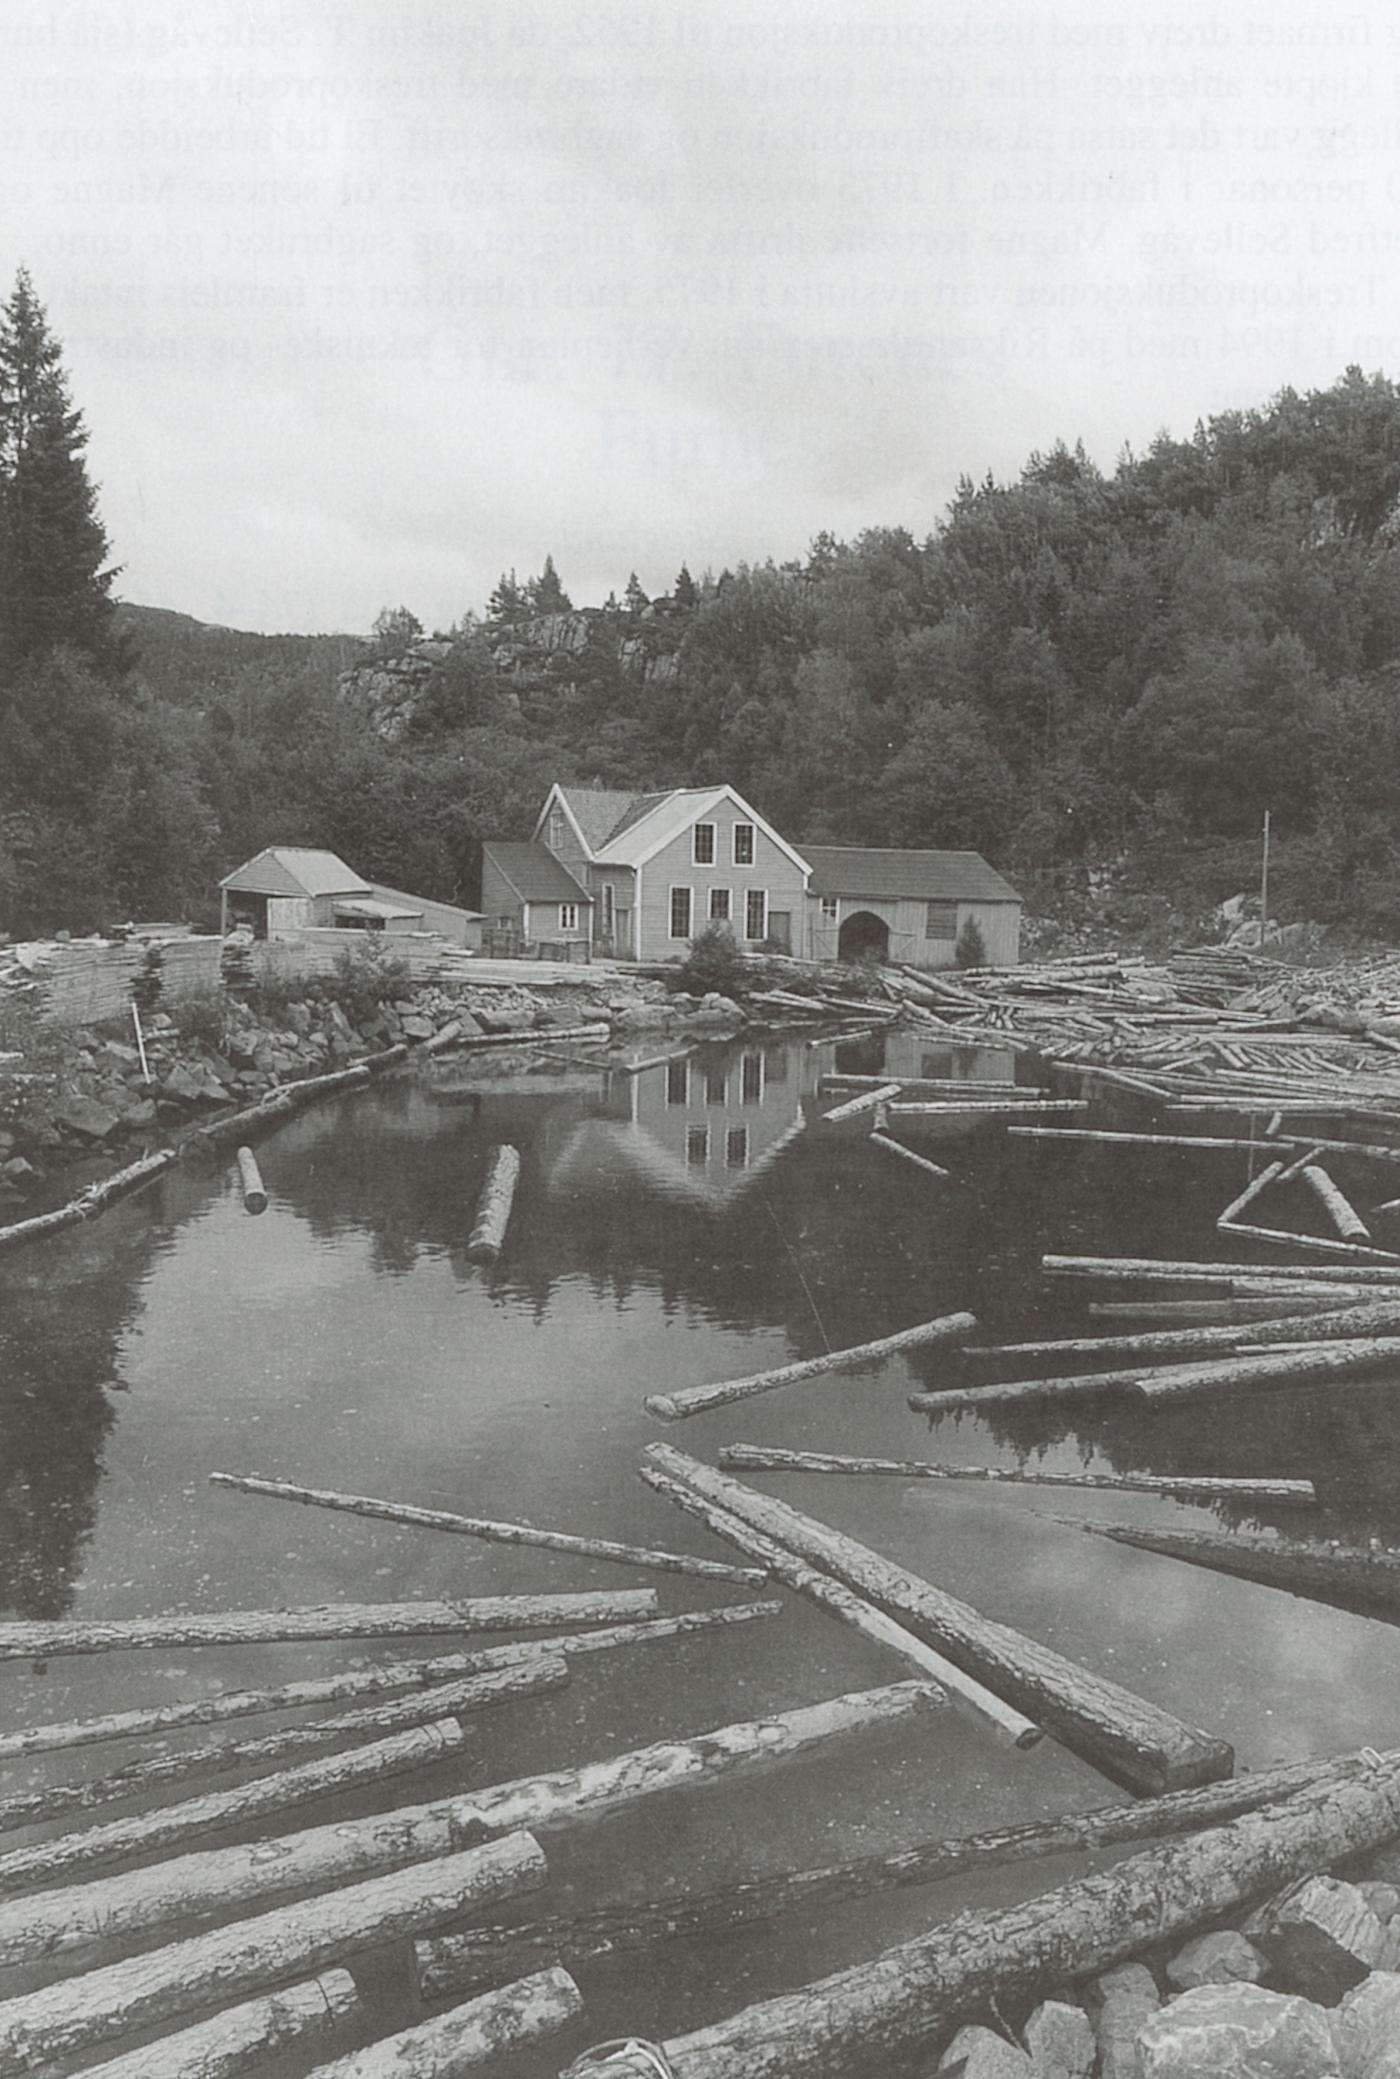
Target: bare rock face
1366, 2028
1221, 1959
1321, 1938
1060, 2041
979, 2053
1122, 2000
1237, 2032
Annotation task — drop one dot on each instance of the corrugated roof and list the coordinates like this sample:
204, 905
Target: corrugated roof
534, 873
295, 870
853, 870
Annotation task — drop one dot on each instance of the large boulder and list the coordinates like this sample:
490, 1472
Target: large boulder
1059, 2041
85, 1118
1121, 2001
1225, 1958
1237, 2032
979, 2053
1366, 2028
1321, 1938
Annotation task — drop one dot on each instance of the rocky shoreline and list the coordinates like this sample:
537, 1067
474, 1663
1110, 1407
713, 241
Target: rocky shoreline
73, 1095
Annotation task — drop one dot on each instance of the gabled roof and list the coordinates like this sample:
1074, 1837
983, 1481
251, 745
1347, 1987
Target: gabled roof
673, 813
854, 870
295, 870
534, 873
597, 813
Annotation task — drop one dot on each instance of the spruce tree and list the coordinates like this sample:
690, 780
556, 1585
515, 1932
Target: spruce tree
54, 586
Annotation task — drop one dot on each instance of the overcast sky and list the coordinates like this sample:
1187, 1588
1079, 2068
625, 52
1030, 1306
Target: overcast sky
368, 300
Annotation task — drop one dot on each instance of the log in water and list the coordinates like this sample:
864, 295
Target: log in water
228, 1962
491, 1532
763, 1458
479, 2033
493, 1208
1349, 1575
243, 2038
42, 1641
1133, 1741
694, 1400
250, 1182
876, 2014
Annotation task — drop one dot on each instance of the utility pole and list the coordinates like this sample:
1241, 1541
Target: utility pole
1264, 886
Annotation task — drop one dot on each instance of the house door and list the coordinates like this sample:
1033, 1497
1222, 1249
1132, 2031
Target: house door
622, 939
780, 928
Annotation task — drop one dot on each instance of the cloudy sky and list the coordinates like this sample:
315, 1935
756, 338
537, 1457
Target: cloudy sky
368, 300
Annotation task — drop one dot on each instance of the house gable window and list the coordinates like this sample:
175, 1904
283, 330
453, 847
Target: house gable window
681, 908
721, 906
568, 916
558, 830
831, 908
940, 920
756, 914
703, 844
743, 844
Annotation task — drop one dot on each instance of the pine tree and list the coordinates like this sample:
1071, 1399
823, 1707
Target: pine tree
546, 594
54, 587
635, 597
508, 603
683, 592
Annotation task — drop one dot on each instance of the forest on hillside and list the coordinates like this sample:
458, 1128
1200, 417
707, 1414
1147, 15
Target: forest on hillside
1098, 680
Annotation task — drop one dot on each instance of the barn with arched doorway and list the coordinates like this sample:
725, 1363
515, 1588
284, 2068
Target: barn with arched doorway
910, 907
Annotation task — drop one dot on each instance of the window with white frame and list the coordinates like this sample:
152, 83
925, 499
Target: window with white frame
678, 1082
743, 844
941, 920
721, 906
568, 916
831, 908
681, 907
558, 830
697, 1146
751, 1079
756, 914
609, 896
736, 1147
703, 844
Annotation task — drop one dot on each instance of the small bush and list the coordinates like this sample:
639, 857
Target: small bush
714, 964
201, 1018
365, 977
971, 948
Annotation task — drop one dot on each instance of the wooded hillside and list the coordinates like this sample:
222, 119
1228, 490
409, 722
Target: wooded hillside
1098, 680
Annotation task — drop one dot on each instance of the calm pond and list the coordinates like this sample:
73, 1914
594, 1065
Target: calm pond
686, 1224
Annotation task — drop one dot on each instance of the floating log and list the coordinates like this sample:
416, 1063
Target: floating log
1128, 1738
370, 1681
1338, 1207
242, 2038
842, 1602
1351, 1576
501, 2021
994, 1107
142, 1833
1321, 1243
894, 1147
254, 1196
494, 1205
280, 1104
693, 1400
1151, 1267
39, 1640
1226, 1312
452, 1963
976, 1086
868, 1101
1255, 1188
883, 2011
88, 1204
1297, 1367
599, 1029
491, 1532
67, 1918
1193, 1141
528, 1677
1379, 1317
141, 1991
763, 1458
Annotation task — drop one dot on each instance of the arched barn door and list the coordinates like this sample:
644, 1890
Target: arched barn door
863, 936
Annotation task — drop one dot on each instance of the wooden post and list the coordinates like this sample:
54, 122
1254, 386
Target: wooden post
881, 2012
451, 1964
493, 1206
494, 1533
1130, 1739
40, 1640
485, 2029
693, 1400
141, 1991
142, 1833
243, 2038
254, 1196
